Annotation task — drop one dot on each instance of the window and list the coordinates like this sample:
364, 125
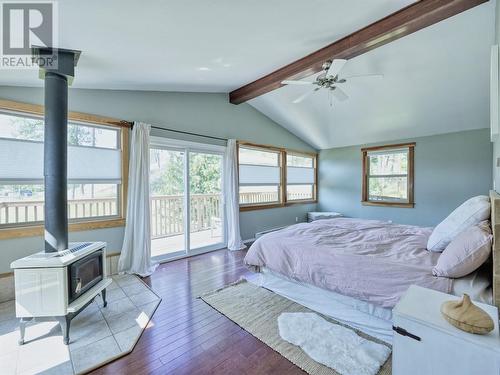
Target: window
388, 175
96, 161
274, 177
300, 177
260, 176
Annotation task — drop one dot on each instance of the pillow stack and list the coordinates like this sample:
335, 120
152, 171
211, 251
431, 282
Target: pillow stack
464, 237
469, 213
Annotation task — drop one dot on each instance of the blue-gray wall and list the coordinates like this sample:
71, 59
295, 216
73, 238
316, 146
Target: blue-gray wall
449, 169
209, 114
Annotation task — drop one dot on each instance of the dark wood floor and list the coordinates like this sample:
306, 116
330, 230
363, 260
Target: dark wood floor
186, 336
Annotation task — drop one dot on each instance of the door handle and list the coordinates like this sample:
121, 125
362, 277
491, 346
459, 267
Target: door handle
404, 332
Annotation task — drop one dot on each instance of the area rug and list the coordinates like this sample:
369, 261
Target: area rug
256, 310
98, 335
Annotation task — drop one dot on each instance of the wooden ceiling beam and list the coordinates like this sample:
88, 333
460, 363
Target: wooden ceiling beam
408, 20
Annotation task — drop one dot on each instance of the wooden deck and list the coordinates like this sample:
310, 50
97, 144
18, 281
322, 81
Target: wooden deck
186, 336
168, 245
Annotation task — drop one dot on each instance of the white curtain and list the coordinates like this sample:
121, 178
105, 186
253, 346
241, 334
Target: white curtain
231, 192
136, 251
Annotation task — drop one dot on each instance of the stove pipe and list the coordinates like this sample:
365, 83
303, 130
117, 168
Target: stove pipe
55, 159
57, 70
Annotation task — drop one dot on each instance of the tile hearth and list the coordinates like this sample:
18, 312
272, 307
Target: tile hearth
98, 335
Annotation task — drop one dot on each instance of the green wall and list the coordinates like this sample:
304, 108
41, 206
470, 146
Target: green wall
203, 113
449, 169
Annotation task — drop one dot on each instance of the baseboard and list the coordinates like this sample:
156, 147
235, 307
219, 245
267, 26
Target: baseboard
7, 279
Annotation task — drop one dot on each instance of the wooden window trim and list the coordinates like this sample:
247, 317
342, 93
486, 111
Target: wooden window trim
86, 224
411, 176
283, 181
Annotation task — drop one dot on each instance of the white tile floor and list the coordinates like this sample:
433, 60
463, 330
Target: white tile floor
97, 334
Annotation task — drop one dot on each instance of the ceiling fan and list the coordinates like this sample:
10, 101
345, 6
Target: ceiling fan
329, 79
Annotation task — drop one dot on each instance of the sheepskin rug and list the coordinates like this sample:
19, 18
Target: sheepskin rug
332, 345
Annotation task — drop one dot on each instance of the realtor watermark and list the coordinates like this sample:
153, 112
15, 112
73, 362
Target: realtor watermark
26, 24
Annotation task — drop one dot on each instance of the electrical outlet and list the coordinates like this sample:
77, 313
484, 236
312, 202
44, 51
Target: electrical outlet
296, 219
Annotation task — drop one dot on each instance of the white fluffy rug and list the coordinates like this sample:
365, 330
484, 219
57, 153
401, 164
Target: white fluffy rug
332, 345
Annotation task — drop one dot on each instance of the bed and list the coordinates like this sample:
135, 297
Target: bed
356, 270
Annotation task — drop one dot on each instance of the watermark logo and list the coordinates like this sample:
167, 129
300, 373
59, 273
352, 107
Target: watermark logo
26, 24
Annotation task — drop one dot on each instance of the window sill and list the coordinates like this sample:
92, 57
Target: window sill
388, 204
37, 230
303, 201
276, 205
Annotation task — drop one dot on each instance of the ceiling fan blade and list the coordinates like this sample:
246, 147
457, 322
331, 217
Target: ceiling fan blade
365, 76
304, 96
336, 67
290, 82
339, 94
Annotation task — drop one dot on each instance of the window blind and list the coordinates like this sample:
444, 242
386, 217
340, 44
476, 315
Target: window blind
300, 175
259, 175
22, 161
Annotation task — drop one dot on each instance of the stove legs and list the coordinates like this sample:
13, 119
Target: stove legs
65, 322
22, 328
103, 295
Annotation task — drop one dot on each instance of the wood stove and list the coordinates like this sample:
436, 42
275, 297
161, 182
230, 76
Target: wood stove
60, 285
65, 278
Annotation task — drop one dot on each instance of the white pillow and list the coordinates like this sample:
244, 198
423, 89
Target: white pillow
466, 253
469, 213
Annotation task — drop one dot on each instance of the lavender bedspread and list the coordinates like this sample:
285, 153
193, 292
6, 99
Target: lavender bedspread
371, 260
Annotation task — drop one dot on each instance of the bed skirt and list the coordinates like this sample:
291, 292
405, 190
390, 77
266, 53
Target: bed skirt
373, 320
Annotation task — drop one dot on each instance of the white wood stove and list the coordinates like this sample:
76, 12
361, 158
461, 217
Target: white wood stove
65, 278
59, 285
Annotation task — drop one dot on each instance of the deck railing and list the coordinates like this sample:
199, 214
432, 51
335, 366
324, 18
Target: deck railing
19, 212
167, 217
166, 211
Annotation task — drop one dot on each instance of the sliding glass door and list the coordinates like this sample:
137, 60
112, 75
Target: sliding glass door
205, 200
167, 191
186, 198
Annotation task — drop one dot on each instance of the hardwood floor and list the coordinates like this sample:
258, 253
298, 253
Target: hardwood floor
186, 336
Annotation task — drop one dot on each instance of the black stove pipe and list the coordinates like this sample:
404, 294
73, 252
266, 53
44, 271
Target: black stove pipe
57, 68
56, 162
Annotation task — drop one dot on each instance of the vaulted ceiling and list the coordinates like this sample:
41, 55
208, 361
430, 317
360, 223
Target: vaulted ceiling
435, 80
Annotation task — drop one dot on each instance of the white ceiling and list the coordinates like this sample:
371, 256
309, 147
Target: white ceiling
435, 81
197, 45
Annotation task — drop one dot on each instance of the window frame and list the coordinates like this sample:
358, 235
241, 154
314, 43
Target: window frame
282, 193
365, 200
90, 223
314, 184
